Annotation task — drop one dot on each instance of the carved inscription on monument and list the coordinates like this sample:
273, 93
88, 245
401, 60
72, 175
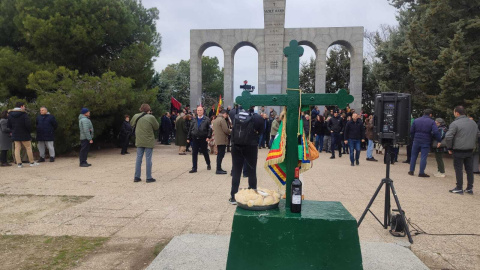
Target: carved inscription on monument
274, 64
275, 10
274, 18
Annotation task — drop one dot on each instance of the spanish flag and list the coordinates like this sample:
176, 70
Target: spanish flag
219, 104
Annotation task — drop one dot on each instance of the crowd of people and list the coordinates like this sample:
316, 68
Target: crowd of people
334, 130
16, 127
461, 139
347, 132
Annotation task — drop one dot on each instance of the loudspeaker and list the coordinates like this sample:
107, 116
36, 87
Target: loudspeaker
392, 118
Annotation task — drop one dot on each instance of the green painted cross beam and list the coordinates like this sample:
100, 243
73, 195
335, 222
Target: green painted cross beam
292, 101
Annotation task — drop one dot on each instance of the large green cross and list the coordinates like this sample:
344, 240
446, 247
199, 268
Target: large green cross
292, 101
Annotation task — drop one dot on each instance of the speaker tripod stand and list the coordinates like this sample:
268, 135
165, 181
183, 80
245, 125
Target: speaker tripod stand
388, 187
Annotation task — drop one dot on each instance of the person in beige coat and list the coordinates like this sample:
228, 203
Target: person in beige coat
222, 131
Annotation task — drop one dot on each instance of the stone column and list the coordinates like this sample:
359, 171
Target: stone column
320, 72
356, 73
228, 73
262, 75
195, 75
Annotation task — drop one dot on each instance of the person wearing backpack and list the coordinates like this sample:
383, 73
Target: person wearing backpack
199, 133
247, 128
144, 126
442, 128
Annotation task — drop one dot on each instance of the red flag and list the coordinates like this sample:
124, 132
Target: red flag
177, 105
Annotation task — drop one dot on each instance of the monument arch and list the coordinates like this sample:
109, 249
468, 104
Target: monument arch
339, 46
243, 44
241, 60
197, 72
313, 47
269, 43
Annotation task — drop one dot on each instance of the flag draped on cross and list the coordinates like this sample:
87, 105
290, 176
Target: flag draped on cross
175, 104
275, 163
219, 105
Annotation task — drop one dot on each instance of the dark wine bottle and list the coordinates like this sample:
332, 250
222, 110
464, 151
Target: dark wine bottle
296, 205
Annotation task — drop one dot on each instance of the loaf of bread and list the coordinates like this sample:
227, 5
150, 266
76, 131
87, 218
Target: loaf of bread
259, 197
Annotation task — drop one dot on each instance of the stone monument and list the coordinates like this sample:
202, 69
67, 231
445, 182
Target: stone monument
269, 43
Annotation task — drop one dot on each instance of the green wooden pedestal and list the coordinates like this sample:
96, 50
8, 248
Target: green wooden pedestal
323, 236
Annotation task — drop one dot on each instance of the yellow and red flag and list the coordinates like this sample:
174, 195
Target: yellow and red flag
276, 164
219, 104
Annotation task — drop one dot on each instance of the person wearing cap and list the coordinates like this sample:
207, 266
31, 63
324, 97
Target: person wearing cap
222, 132
86, 136
439, 150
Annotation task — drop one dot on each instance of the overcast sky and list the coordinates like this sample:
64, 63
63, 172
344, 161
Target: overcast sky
177, 17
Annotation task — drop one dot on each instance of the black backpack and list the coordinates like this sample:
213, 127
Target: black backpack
243, 128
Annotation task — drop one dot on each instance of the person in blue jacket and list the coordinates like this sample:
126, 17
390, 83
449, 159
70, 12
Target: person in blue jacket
422, 130
46, 126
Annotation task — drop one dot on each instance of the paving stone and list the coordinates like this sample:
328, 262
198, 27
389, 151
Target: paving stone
200, 251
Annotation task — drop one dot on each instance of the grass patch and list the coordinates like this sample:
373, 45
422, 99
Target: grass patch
45, 252
159, 247
63, 198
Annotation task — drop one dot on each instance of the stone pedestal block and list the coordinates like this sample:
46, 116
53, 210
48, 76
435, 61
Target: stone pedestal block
323, 236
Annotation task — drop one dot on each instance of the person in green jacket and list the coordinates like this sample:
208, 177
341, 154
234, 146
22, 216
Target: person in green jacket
86, 136
144, 125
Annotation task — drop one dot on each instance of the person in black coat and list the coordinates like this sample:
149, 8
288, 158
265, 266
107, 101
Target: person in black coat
5, 140
200, 134
245, 155
335, 126
262, 139
267, 131
173, 120
19, 124
125, 133
46, 126
345, 119
306, 125
188, 120
318, 130
354, 135
211, 112
165, 129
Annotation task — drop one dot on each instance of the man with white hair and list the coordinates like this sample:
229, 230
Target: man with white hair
46, 126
